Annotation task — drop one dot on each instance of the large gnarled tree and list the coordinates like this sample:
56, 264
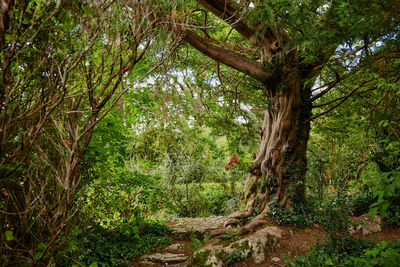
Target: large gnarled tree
287, 45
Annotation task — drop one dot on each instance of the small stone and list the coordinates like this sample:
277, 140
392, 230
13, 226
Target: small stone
276, 259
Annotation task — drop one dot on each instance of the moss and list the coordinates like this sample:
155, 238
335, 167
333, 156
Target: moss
240, 251
243, 246
230, 257
228, 238
251, 188
200, 258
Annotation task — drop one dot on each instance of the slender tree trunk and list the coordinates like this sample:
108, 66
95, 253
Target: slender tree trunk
278, 170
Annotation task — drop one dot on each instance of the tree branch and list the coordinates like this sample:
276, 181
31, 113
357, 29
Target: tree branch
330, 86
224, 10
226, 56
343, 99
233, 46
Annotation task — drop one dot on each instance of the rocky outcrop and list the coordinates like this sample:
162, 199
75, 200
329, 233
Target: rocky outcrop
253, 248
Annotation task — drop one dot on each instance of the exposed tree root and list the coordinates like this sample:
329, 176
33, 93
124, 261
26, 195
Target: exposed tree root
239, 218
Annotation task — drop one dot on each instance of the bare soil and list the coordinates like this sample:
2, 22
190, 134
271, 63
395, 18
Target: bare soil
299, 242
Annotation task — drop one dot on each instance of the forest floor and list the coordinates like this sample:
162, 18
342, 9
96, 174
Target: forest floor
299, 242
294, 242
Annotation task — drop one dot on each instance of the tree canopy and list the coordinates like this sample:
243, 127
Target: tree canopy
112, 112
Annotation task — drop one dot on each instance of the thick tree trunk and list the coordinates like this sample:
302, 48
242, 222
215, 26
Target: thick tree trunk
280, 164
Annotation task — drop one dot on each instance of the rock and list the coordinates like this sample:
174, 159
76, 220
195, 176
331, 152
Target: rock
168, 258
275, 259
254, 248
183, 228
175, 248
365, 225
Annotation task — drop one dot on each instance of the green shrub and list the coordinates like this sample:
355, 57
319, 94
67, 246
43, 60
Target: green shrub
350, 252
204, 199
387, 193
232, 257
393, 213
220, 199
114, 247
300, 216
334, 219
382, 254
330, 254
361, 202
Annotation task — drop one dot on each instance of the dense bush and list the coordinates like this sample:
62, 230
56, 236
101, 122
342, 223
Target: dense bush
352, 252
117, 247
381, 254
298, 217
393, 213
361, 203
204, 199
330, 254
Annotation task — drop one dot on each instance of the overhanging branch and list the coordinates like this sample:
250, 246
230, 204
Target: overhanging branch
330, 86
226, 56
342, 100
224, 10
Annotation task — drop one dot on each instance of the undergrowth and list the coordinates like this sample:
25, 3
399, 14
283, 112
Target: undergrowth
298, 217
338, 247
351, 252
97, 244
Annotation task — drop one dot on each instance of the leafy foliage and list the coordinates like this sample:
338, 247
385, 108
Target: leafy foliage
352, 252
232, 257
382, 254
115, 247
297, 217
162, 148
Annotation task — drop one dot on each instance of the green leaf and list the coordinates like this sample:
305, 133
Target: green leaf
372, 252
37, 255
328, 262
135, 229
93, 264
9, 235
77, 231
